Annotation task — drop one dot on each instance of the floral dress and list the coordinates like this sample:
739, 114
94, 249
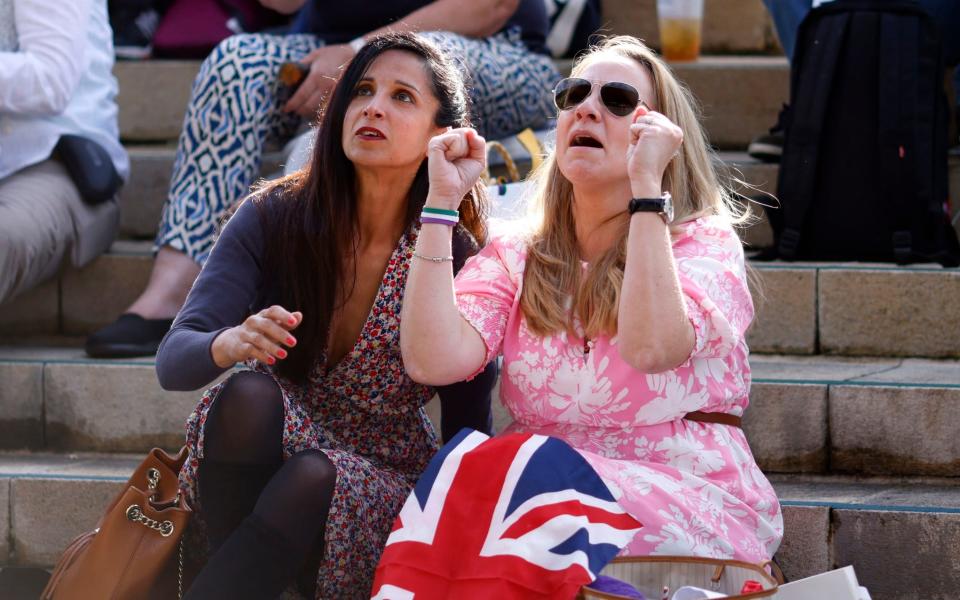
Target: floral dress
367, 416
695, 487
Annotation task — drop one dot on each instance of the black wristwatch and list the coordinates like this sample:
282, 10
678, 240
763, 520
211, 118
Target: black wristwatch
663, 206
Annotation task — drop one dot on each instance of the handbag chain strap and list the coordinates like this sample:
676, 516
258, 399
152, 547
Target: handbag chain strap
165, 528
180, 571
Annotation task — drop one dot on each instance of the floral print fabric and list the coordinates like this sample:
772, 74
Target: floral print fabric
695, 486
367, 416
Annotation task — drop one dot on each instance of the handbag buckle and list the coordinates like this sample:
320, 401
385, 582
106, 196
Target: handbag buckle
153, 478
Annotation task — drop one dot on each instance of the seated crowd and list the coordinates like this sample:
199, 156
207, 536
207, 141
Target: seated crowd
337, 301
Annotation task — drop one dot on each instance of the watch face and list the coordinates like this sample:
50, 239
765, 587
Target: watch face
668, 207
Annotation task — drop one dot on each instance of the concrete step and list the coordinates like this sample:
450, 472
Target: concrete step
729, 26
807, 415
802, 308
141, 200
823, 414
151, 165
58, 399
47, 499
741, 96
901, 536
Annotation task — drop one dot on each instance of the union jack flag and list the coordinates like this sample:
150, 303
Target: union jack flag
515, 516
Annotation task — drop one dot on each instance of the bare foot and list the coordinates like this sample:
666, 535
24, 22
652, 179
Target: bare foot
170, 280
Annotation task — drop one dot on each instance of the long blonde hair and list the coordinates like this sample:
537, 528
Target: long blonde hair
552, 270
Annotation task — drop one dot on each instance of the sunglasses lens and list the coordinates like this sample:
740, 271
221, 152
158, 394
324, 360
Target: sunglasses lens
619, 98
571, 92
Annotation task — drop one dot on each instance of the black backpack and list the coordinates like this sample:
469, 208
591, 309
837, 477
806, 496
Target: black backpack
863, 174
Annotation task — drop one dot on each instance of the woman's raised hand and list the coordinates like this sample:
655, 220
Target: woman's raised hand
261, 336
654, 141
455, 160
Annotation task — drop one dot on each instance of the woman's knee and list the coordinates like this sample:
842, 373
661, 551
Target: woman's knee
246, 419
313, 471
234, 48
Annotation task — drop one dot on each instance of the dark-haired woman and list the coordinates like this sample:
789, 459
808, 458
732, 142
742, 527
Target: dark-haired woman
237, 109
313, 448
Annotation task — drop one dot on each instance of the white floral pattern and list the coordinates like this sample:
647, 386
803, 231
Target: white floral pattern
695, 486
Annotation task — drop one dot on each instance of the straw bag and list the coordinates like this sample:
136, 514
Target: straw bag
130, 553
650, 574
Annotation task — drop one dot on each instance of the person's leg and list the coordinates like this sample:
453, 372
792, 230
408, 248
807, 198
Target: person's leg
509, 85
242, 451
234, 110
946, 14
787, 16
265, 552
36, 229
263, 515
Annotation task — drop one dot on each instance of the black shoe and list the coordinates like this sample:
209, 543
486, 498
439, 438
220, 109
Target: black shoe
130, 335
133, 34
769, 147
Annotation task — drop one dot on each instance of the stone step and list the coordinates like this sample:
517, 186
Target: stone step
142, 198
822, 414
47, 499
741, 96
901, 536
802, 308
807, 415
729, 26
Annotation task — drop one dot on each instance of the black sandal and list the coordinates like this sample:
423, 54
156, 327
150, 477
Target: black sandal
130, 335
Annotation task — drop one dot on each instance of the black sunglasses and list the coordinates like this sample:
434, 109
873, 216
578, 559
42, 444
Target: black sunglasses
619, 98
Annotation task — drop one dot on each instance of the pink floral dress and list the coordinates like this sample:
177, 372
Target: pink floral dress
695, 487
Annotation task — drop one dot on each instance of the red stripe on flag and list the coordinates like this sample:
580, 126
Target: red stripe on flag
540, 515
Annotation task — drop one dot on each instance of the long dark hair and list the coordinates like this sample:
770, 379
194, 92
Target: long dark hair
310, 217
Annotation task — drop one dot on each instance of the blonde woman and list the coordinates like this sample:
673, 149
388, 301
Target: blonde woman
620, 314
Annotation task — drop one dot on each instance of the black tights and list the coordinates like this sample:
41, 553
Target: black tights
264, 515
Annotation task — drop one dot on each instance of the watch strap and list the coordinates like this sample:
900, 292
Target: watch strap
654, 205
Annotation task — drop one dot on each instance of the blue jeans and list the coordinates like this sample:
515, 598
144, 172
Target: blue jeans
787, 15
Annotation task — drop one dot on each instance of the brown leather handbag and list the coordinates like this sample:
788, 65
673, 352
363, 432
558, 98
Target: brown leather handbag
131, 552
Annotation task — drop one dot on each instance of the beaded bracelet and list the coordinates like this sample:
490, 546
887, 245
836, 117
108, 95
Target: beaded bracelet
435, 259
440, 216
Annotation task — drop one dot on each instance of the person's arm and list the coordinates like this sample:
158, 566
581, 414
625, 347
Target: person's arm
467, 403
477, 18
284, 7
654, 332
439, 346
205, 339
40, 78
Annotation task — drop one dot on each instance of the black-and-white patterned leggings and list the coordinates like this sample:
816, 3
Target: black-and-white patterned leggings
234, 111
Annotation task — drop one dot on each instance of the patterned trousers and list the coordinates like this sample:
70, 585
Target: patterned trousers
234, 111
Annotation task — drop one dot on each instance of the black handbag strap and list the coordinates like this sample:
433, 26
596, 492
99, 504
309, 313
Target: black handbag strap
814, 75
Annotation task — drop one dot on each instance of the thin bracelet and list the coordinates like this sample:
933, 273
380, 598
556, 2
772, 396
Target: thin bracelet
435, 259
438, 220
441, 211
440, 216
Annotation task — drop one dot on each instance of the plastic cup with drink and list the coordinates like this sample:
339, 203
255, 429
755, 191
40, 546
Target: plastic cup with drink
681, 26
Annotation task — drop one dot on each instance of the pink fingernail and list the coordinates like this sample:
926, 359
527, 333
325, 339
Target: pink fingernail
291, 341
270, 360
282, 353
292, 321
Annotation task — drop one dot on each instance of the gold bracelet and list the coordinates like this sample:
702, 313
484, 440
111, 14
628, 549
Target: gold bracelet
436, 259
